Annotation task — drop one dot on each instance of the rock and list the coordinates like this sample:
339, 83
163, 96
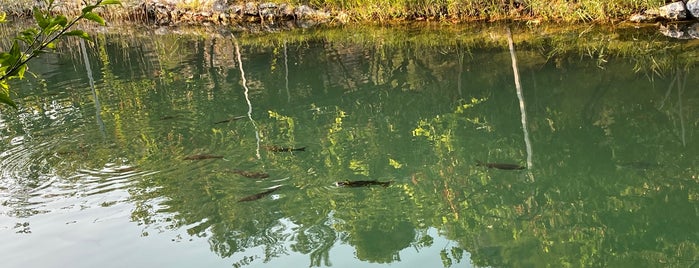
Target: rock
286, 11
268, 5
236, 9
267, 9
642, 18
693, 8
220, 5
306, 12
225, 12
251, 9
162, 14
303, 11
672, 11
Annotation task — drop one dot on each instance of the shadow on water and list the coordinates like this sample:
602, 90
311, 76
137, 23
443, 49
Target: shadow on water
242, 143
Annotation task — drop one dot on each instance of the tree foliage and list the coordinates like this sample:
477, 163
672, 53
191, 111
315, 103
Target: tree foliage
34, 41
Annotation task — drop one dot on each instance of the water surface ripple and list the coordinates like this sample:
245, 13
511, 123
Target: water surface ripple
357, 147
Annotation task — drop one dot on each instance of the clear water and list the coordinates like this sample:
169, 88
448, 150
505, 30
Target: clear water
94, 171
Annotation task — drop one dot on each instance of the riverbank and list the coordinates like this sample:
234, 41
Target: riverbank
231, 12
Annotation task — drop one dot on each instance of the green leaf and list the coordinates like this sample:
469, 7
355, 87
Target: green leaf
15, 53
88, 9
5, 96
111, 2
59, 20
18, 73
94, 17
27, 36
3, 17
21, 70
40, 18
30, 32
5, 61
79, 33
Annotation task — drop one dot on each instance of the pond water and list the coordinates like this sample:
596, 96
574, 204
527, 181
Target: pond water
164, 149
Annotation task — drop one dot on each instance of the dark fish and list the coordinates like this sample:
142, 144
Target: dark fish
504, 166
362, 183
251, 174
202, 157
230, 119
258, 195
168, 117
278, 149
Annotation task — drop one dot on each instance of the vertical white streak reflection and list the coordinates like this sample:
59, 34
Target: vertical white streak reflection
520, 96
247, 97
98, 108
680, 89
286, 73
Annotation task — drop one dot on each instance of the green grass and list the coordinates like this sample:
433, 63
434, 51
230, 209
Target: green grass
464, 10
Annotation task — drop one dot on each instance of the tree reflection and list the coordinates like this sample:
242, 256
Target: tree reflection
394, 111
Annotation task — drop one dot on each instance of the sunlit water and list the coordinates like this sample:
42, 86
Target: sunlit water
100, 176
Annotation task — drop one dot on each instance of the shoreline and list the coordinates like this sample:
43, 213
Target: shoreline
238, 13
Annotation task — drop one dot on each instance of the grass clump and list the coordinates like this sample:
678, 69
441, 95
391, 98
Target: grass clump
460, 10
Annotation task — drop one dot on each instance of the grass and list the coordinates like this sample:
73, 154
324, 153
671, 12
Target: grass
423, 10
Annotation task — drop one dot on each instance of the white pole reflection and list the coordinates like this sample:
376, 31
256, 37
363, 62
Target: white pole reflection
247, 96
520, 96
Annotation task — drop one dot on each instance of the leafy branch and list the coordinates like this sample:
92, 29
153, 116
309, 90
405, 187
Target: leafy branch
13, 64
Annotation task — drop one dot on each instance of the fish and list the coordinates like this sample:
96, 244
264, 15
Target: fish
168, 117
202, 157
504, 166
362, 183
251, 174
230, 119
278, 149
259, 195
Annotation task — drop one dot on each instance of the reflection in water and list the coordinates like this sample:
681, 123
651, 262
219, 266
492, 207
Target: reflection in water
88, 69
247, 96
520, 96
418, 116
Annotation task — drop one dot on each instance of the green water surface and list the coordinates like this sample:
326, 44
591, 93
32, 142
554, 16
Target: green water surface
94, 168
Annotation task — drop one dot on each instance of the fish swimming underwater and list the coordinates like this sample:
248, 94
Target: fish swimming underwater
202, 157
230, 119
504, 166
259, 195
362, 183
251, 174
278, 149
